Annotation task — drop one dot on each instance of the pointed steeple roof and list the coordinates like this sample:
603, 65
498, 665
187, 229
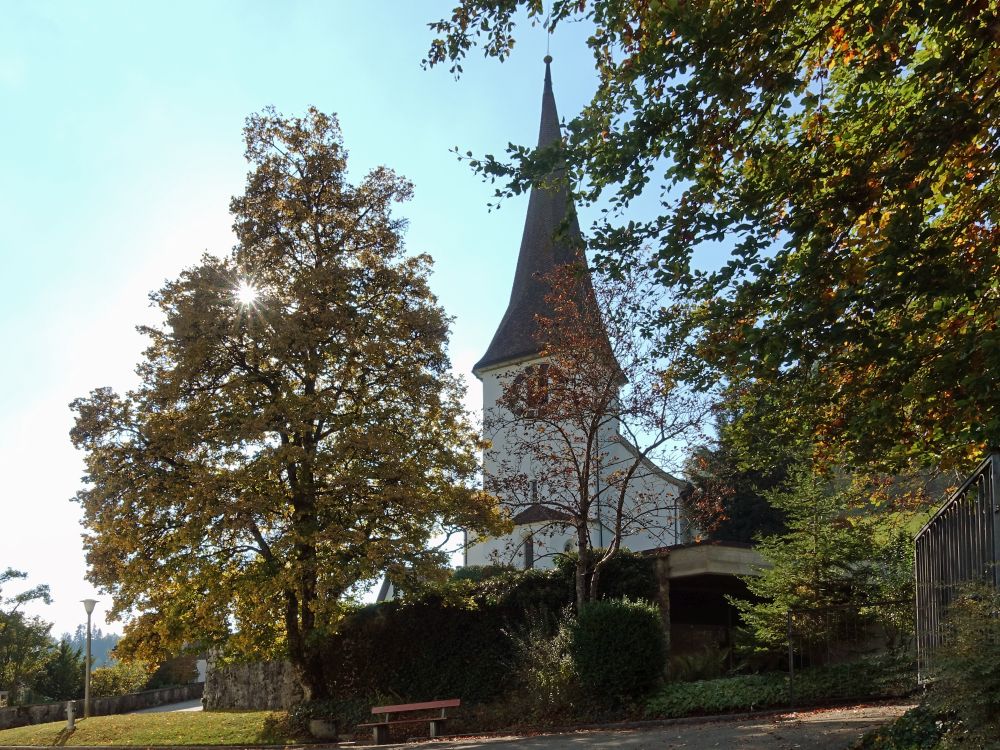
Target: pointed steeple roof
548, 242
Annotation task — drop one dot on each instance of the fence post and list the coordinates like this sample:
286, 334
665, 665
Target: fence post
995, 507
791, 660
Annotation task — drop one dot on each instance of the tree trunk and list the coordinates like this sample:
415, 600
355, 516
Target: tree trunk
581, 583
595, 578
311, 676
582, 567
303, 653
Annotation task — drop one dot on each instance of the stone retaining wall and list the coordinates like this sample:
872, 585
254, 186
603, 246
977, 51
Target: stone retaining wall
269, 685
19, 716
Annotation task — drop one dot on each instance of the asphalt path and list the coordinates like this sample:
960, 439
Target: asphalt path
192, 705
824, 729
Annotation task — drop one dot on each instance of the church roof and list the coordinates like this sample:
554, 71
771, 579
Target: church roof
551, 239
538, 513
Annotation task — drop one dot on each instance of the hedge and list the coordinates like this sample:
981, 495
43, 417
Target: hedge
443, 644
618, 649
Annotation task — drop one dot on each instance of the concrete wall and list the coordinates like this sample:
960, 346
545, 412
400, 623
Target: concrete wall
19, 716
269, 685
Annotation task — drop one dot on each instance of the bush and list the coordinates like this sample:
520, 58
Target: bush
480, 573
618, 649
120, 678
917, 729
547, 681
180, 670
884, 677
966, 667
741, 693
62, 676
889, 675
347, 713
707, 663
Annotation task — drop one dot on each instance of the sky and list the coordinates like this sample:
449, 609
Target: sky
121, 125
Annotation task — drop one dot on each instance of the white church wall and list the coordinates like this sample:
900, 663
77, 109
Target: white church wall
549, 540
654, 516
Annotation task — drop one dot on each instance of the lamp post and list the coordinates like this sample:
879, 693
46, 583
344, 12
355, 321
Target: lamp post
88, 604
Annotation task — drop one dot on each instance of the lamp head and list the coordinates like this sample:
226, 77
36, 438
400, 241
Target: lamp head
89, 604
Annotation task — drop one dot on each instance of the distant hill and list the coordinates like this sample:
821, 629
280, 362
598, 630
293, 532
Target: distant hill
101, 643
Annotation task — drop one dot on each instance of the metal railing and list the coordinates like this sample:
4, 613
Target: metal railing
857, 650
960, 544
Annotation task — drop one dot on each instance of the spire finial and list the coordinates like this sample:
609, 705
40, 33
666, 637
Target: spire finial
547, 59
548, 37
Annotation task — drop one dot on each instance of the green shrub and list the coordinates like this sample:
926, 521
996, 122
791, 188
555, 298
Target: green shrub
347, 713
889, 675
966, 667
420, 651
618, 649
729, 694
917, 729
480, 573
707, 663
547, 683
180, 670
62, 676
884, 677
120, 678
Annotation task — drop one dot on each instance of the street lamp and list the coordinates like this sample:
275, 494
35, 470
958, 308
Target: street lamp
88, 604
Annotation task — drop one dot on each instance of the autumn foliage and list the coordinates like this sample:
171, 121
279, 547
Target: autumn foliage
840, 155
295, 432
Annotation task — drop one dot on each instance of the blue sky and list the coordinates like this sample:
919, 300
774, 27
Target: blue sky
121, 125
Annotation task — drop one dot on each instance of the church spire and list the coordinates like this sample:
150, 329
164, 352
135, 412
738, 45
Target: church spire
551, 239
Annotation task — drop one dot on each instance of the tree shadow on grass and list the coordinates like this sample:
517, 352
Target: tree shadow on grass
63, 737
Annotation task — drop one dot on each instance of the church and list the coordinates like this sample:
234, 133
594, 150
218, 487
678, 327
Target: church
527, 459
694, 578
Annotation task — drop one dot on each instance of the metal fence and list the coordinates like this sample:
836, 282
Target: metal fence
960, 544
851, 651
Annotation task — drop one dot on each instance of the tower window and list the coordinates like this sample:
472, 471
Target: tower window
531, 390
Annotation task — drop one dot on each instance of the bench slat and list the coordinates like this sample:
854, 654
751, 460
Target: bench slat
450, 703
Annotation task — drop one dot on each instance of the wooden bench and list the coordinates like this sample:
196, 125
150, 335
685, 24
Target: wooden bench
380, 729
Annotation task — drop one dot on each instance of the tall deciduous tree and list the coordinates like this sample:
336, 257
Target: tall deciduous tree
587, 428
844, 151
296, 431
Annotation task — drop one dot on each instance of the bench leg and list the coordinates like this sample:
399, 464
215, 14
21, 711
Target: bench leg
437, 727
381, 734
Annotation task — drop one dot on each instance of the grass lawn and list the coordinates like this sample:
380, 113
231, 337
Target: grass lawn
178, 728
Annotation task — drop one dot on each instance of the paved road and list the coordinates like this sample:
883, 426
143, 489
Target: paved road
192, 705
828, 729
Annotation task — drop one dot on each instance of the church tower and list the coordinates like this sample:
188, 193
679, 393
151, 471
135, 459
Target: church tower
551, 239
548, 241
514, 359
